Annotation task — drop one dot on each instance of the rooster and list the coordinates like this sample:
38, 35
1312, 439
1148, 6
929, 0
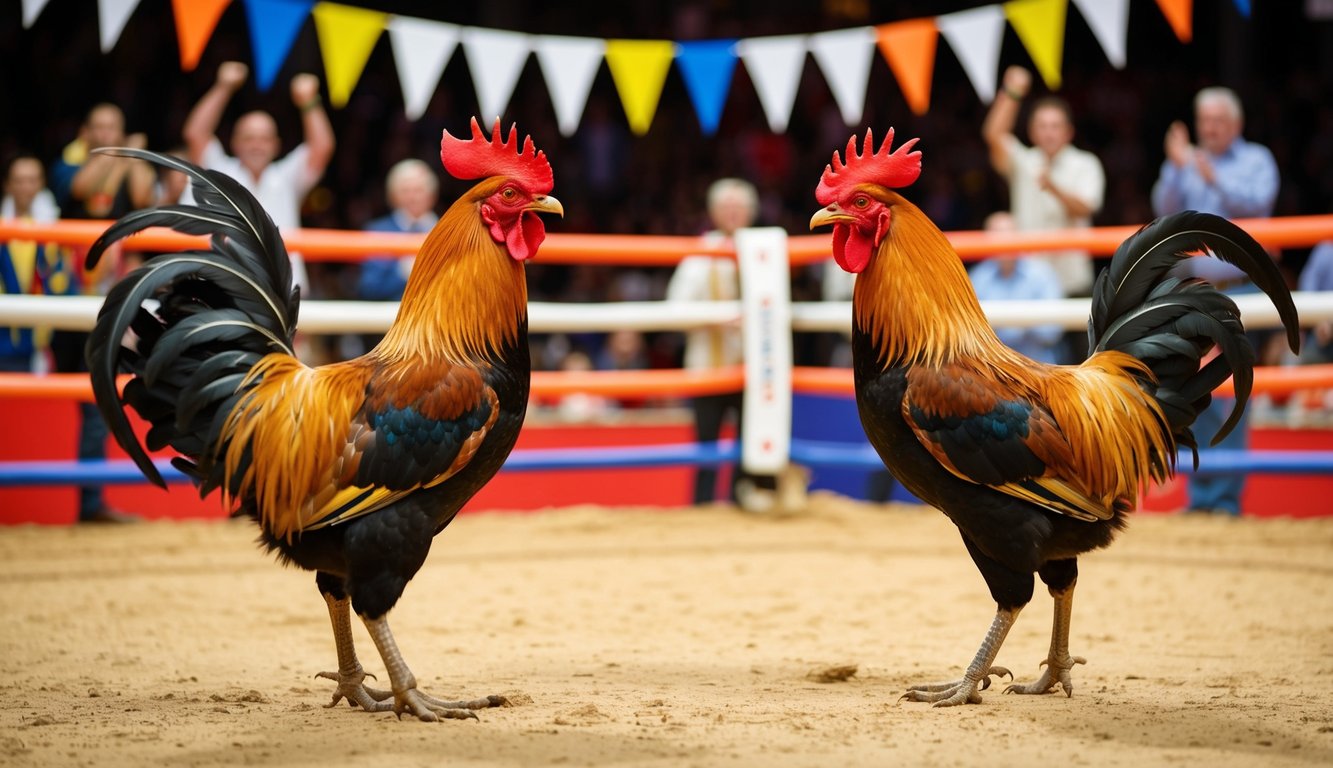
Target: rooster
1036, 464
349, 469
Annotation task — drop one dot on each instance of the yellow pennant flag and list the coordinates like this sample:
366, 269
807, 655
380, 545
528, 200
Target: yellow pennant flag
347, 35
1040, 24
639, 69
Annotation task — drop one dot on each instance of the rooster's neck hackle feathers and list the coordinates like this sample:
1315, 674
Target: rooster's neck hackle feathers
466, 299
914, 298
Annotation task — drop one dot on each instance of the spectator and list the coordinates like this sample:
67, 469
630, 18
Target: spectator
412, 190
279, 184
96, 186
1052, 184
732, 205
1011, 277
27, 267
1228, 176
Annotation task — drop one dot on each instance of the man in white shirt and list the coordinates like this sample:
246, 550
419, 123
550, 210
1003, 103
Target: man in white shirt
280, 184
732, 204
1052, 184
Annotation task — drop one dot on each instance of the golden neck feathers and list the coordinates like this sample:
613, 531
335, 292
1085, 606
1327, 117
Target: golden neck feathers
466, 298
914, 298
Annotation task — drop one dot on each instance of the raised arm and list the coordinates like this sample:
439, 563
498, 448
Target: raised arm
1003, 116
202, 124
315, 126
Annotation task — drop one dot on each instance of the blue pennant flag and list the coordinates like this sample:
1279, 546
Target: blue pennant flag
274, 25
707, 66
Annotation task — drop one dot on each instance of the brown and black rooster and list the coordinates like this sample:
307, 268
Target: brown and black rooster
1036, 464
350, 469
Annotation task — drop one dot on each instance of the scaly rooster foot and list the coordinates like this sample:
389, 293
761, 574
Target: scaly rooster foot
1056, 672
430, 709
351, 687
952, 694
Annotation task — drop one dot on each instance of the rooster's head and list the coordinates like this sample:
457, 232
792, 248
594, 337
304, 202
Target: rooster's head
854, 193
520, 183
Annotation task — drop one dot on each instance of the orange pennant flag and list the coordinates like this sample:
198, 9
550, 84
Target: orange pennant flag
1180, 15
909, 48
195, 22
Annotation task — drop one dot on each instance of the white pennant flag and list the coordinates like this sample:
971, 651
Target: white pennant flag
844, 56
774, 64
31, 10
1109, 20
112, 15
569, 65
421, 50
496, 58
975, 37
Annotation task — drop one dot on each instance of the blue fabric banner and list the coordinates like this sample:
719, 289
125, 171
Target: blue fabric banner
274, 25
707, 66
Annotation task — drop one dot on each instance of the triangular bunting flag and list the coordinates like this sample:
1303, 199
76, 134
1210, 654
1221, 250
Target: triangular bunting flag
569, 66
975, 38
774, 65
1040, 24
639, 69
909, 48
1109, 21
31, 10
421, 50
707, 67
1180, 15
195, 22
347, 35
496, 58
844, 56
111, 18
274, 25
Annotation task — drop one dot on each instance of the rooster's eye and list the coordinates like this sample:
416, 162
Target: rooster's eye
508, 193
861, 201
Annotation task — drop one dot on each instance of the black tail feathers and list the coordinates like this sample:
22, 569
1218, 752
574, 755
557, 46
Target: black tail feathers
1171, 323
190, 325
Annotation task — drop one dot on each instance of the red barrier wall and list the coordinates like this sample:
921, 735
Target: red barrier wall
45, 429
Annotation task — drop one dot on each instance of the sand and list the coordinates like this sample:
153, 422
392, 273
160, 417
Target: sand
671, 638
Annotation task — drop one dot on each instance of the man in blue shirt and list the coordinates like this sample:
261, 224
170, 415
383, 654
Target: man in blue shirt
1020, 278
1228, 176
412, 189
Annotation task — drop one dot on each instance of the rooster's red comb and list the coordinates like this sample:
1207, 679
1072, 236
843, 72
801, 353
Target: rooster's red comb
480, 157
885, 168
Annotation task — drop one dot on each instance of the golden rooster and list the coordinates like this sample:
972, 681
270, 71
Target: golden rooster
1036, 464
349, 469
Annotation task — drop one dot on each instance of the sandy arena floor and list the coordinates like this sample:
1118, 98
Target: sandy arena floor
678, 638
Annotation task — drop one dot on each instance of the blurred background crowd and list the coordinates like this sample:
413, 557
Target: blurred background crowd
1279, 61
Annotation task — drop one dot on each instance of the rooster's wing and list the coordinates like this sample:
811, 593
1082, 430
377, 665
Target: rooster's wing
407, 436
993, 433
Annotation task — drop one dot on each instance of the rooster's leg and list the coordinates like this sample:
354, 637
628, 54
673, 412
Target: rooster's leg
978, 673
406, 697
1058, 662
350, 677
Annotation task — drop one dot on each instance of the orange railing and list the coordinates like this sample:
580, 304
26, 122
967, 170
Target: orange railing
660, 250
1277, 380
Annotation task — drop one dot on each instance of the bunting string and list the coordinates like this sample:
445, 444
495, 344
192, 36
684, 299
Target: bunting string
423, 48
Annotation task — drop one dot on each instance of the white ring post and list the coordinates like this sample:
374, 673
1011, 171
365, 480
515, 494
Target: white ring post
766, 332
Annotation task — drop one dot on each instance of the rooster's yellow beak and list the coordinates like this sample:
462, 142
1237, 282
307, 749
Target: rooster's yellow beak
546, 204
830, 215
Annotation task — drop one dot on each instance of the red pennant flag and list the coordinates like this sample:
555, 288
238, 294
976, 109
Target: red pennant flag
195, 22
909, 48
1180, 15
